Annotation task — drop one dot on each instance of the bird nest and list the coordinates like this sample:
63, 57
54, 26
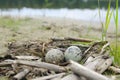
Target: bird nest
26, 60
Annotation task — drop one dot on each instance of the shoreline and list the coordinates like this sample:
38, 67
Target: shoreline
44, 28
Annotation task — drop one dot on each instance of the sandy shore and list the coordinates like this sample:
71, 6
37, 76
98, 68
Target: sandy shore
43, 28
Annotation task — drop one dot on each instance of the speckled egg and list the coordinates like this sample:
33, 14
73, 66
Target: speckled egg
54, 56
73, 53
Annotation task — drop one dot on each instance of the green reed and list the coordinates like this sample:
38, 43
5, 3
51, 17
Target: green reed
107, 21
115, 48
116, 51
116, 24
105, 25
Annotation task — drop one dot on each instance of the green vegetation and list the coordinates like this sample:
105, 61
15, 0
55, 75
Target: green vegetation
107, 22
116, 23
116, 48
116, 55
10, 23
3, 78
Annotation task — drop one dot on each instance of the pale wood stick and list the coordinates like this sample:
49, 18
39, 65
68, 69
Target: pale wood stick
27, 57
40, 64
90, 59
104, 47
71, 77
3, 64
67, 45
21, 75
50, 76
94, 63
85, 72
114, 69
58, 78
57, 39
102, 51
104, 66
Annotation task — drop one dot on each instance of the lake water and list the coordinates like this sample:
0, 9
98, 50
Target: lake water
75, 9
80, 14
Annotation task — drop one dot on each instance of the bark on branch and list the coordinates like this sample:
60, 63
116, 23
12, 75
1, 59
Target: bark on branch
50, 76
114, 69
21, 75
72, 39
85, 72
40, 65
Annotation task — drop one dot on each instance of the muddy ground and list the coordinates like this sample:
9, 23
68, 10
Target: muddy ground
43, 28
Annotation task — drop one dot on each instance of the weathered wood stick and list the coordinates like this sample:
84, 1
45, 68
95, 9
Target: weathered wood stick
104, 47
104, 66
91, 58
27, 57
94, 63
57, 39
58, 78
85, 72
21, 75
98, 64
72, 39
71, 77
40, 64
50, 76
3, 64
67, 45
79, 39
88, 53
114, 69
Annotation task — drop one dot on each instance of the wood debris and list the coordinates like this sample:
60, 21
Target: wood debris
26, 61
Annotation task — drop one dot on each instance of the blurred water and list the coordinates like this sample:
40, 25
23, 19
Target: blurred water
80, 14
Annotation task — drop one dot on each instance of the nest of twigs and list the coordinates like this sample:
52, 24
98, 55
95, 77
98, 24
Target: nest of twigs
26, 60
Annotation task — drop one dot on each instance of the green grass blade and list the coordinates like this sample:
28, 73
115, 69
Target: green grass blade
107, 17
116, 24
102, 35
116, 14
108, 21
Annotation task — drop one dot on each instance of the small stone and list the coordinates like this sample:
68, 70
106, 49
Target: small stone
54, 56
73, 53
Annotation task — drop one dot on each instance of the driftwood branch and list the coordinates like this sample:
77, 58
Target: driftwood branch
50, 76
114, 69
40, 65
85, 72
27, 57
57, 39
98, 64
67, 45
79, 39
3, 64
71, 77
21, 75
94, 63
100, 50
104, 47
58, 78
72, 39
104, 66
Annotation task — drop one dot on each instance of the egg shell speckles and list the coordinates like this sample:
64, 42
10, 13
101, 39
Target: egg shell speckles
54, 56
73, 53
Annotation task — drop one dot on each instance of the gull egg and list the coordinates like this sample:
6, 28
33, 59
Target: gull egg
54, 56
73, 53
